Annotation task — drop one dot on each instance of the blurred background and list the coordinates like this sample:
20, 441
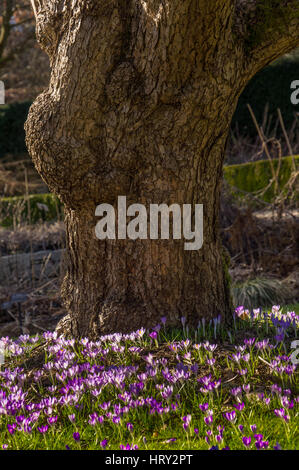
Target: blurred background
259, 205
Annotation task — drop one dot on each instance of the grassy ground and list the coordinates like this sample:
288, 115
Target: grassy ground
293, 308
164, 389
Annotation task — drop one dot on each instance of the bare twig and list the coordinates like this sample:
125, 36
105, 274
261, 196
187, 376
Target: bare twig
287, 139
33, 7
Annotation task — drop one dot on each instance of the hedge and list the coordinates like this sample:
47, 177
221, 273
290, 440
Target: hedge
254, 176
249, 177
12, 134
43, 207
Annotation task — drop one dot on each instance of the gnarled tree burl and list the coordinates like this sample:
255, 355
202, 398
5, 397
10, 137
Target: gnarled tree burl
139, 104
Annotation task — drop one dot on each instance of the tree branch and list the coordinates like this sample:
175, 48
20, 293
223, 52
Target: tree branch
5, 27
267, 29
20, 23
33, 8
5, 59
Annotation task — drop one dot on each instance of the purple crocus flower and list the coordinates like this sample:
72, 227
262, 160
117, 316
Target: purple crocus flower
11, 428
52, 420
279, 338
239, 310
231, 416
276, 389
249, 342
236, 391
208, 419
72, 418
204, 407
280, 413
246, 441
116, 419
76, 436
172, 439
186, 421
211, 361
93, 418
128, 447
43, 429
259, 445
20, 419
104, 443
239, 406
153, 335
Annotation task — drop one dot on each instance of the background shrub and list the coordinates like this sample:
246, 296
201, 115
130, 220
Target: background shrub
259, 292
254, 176
12, 134
271, 86
43, 207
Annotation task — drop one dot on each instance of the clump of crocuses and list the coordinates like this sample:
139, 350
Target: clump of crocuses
155, 389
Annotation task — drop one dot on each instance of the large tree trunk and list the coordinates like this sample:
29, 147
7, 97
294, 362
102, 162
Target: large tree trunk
139, 105
120, 285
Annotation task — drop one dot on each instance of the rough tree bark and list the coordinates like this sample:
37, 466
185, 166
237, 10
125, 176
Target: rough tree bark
140, 101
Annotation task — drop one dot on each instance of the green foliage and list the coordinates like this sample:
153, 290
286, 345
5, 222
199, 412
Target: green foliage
259, 292
254, 176
12, 134
292, 308
14, 210
271, 86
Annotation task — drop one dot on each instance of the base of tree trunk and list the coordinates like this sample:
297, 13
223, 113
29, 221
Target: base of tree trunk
123, 285
115, 317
